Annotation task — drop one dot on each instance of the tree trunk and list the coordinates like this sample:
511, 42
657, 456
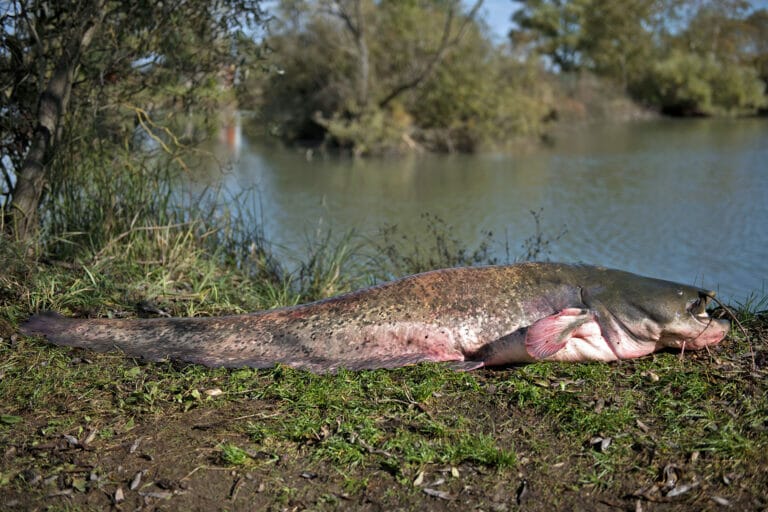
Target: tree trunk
52, 107
363, 59
355, 23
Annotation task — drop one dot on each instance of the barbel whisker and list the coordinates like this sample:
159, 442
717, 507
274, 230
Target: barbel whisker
741, 327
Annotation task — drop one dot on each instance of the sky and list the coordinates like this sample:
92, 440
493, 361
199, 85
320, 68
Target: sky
498, 14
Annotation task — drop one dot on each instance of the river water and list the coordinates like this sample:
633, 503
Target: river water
685, 200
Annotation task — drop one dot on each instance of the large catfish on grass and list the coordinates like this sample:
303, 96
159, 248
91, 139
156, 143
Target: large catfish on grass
468, 317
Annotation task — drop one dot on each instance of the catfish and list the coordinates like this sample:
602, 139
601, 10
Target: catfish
468, 318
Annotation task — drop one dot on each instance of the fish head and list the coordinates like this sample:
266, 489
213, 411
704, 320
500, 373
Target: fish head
647, 314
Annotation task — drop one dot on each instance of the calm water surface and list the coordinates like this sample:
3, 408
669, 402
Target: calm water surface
679, 200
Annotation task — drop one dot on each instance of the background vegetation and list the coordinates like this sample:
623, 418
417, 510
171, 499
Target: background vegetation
80, 79
685, 58
374, 77
95, 129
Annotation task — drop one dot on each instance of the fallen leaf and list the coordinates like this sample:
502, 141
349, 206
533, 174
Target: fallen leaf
136, 481
599, 405
79, 484
438, 494
72, 440
680, 490
135, 445
600, 443
90, 437
671, 475
65, 492
724, 502
650, 376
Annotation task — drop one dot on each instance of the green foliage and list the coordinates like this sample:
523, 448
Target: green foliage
127, 58
310, 74
757, 27
233, 455
616, 40
553, 28
683, 58
688, 83
479, 98
434, 80
373, 132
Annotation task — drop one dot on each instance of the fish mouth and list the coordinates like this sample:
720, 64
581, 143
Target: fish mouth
698, 308
702, 318
713, 329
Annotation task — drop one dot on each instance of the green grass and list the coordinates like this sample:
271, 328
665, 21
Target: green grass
367, 435
233, 455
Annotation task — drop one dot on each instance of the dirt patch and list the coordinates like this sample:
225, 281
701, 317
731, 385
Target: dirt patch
91, 432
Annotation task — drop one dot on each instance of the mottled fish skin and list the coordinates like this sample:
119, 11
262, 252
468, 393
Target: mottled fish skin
472, 317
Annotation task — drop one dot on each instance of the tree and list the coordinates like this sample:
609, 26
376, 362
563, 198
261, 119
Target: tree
347, 66
717, 28
351, 12
449, 38
612, 38
72, 61
758, 46
552, 28
76, 36
682, 56
711, 65
616, 39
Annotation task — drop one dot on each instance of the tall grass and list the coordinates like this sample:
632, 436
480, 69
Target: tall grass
123, 224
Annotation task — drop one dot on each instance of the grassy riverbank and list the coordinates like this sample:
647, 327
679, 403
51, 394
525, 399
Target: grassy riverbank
83, 431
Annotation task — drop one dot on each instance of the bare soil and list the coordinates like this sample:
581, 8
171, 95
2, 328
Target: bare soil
51, 462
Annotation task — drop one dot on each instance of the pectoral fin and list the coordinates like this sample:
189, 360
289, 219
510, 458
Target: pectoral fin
550, 334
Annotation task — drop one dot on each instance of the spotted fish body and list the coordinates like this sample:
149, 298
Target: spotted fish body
469, 317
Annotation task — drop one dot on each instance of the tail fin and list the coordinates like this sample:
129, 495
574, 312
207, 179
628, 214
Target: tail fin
235, 341
49, 324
